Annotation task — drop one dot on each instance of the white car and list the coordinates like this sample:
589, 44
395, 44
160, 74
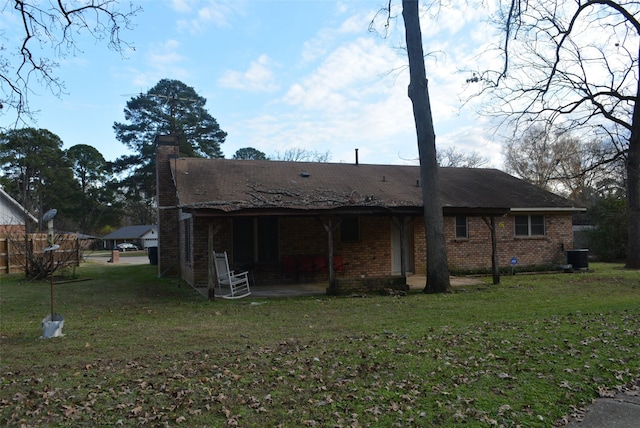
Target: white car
125, 246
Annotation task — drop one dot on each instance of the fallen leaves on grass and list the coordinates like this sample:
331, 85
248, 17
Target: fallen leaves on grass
472, 375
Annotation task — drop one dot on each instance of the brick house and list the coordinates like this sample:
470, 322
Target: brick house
284, 221
143, 236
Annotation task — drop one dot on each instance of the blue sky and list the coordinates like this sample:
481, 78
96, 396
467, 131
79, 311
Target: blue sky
278, 75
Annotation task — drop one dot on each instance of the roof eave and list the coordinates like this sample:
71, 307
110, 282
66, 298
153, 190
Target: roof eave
547, 209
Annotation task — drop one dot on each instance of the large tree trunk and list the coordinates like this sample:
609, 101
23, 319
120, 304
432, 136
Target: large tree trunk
437, 266
633, 188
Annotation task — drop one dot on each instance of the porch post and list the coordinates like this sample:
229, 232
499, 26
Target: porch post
332, 275
330, 227
403, 256
494, 249
210, 263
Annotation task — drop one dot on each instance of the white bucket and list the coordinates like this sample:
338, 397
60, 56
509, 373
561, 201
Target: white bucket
52, 328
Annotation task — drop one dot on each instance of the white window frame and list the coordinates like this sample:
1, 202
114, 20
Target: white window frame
466, 227
529, 225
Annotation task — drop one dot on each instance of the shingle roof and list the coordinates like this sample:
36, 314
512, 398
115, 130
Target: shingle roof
231, 185
130, 232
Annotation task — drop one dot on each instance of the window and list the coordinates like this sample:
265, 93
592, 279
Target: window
462, 229
529, 225
350, 229
255, 239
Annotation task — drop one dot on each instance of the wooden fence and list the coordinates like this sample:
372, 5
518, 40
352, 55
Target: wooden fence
14, 249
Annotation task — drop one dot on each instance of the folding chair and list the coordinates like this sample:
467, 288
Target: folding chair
237, 283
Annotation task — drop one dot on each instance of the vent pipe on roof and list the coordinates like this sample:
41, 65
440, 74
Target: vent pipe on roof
356, 156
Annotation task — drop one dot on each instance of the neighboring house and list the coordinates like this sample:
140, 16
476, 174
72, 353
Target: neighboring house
143, 237
12, 214
272, 215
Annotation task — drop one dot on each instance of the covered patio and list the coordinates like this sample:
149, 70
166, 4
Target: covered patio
415, 282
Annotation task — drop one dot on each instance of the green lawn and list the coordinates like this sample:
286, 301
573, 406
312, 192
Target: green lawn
139, 350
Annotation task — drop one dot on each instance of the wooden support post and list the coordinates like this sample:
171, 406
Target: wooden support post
495, 268
329, 227
211, 284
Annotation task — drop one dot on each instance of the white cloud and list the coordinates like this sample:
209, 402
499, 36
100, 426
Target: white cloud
205, 13
347, 102
473, 138
349, 73
183, 6
163, 60
328, 38
356, 97
258, 78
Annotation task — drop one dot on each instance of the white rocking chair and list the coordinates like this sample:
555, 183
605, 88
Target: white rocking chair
236, 283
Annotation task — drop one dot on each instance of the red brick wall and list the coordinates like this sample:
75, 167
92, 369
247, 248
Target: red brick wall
371, 255
302, 235
221, 229
168, 229
474, 253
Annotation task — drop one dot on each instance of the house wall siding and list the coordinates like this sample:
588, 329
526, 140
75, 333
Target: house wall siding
187, 265
474, 253
371, 255
168, 226
302, 235
221, 229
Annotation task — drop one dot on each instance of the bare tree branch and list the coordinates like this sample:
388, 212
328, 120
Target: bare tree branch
574, 66
54, 25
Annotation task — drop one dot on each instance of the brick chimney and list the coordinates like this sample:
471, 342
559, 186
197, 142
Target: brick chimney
168, 213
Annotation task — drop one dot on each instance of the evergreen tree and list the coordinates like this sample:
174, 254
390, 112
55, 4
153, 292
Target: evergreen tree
37, 174
170, 107
98, 208
249, 153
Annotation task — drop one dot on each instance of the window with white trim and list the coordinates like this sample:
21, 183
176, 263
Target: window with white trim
529, 225
462, 227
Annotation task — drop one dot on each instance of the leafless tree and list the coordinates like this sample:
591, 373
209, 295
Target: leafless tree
53, 27
574, 66
562, 163
534, 157
298, 154
452, 157
28, 253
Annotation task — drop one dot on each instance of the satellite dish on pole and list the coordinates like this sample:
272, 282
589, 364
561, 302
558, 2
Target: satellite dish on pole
48, 218
49, 215
52, 325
